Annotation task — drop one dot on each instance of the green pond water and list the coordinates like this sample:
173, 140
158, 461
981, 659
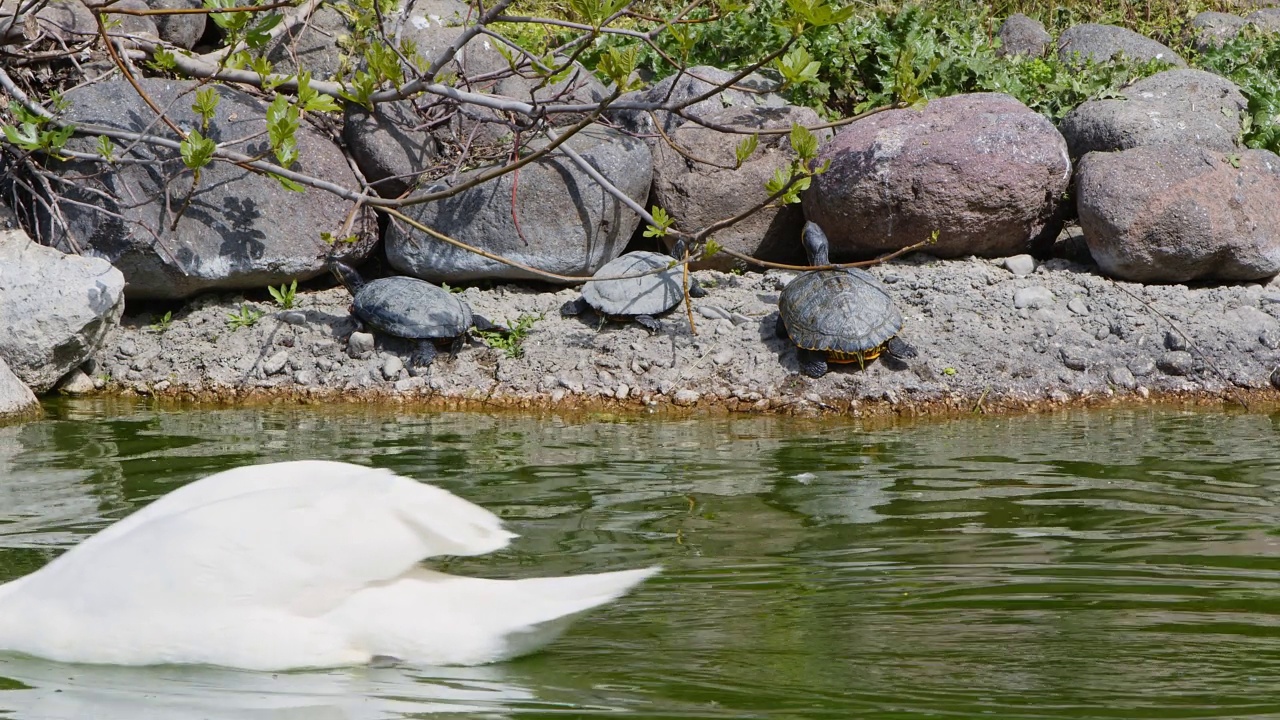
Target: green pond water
1092, 565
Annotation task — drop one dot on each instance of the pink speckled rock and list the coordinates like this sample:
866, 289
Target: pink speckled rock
984, 170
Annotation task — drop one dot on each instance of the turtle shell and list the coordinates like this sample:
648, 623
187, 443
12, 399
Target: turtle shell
411, 308
648, 295
844, 312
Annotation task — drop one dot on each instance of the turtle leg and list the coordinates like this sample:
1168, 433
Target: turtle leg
780, 329
900, 349
812, 363
574, 307
649, 323
484, 324
696, 290
456, 344
424, 351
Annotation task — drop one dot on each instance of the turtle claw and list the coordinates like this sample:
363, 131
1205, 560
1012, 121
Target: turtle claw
649, 323
812, 364
424, 352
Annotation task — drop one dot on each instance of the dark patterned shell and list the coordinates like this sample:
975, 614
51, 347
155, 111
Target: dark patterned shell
648, 295
839, 311
411, 308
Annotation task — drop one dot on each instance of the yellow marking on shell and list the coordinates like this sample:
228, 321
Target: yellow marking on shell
834, 356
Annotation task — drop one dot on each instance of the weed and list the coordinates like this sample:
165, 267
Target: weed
511, 342
163, 323
285, 294
245, 318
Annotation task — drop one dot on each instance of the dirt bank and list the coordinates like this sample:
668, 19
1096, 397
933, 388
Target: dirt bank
989, 339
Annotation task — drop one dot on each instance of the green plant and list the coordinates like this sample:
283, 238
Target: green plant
285, 294
511, 342
247, 317
163, 323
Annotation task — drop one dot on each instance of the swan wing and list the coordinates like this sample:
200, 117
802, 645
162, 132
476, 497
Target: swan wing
298, 537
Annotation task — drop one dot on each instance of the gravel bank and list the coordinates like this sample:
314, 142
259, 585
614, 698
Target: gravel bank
989, 338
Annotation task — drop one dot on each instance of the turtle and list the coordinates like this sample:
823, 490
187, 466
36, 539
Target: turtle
413, 309
638, 298
840, 315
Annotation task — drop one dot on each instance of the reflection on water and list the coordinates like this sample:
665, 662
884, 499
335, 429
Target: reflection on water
1119, 564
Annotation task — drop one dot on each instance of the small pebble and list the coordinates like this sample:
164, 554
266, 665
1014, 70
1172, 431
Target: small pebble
1074, 359
161, 386
605, 377
1176, 362
1174, 341
739, 319
722, 357
292, 317
275, 363
1078, 306
1103, 333
360, 345
1120, 376
304, 377
1275, 378
391, 367
128, 347
1036, 296
686, 396
1270, 339
1020, 265
1142, 366
622, 392
407, 384
557, 395
77, 382
713, 312
569, 384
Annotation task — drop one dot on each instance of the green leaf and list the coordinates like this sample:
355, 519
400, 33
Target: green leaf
745, 148
106, 148
287, 184
206, 105
163, 60
259, 34
197, 150
661, 222
803, 143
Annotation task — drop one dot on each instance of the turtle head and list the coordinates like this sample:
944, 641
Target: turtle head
346, 275
815, 244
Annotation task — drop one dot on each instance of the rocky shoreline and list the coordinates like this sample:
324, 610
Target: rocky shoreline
993, 336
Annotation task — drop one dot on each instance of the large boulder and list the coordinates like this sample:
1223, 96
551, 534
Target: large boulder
69, 22
388, 145
1101, 43
1021, 35
550, 215
1168, 213
984, 171
181, 29
237, 229
1214, 28
1185, 107
15, 397
55, 308
700, 183
754, 90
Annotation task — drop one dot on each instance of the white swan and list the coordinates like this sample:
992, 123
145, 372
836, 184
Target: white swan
292, 565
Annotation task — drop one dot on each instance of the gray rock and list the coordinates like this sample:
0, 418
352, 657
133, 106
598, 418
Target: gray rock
984, 170
1020, 265
1182, 107
55, 309
305, 378
133, 25
700, 193
387, 145
1078, 306
1174, 341
1171, 214
1265, 19
76, 382
184, 29
1036, 296
1074, 358
311, 46
1177, 362
15, 397
292, 317
1142, 366
391, 367
1214, 28
360, 345
69, 22
1021, 35
276, 363
1101, 43
568, 223
1275, 378
1120, 376
685, 396
756, 91
240, 229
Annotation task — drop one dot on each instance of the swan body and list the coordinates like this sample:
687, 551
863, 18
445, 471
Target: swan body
292, 565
